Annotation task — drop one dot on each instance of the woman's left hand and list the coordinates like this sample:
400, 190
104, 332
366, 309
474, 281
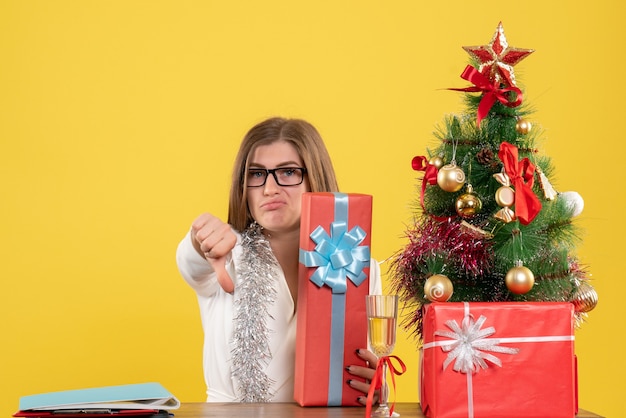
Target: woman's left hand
364, 372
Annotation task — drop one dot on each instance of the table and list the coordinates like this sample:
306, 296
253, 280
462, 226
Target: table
293, 410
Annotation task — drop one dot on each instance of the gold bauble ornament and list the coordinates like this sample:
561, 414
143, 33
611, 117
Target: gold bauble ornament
451, 178
585, 298
520, 279
437, 161
438, 288
523, 126
468, 204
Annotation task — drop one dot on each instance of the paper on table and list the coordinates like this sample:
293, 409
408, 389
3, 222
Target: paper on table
134, 396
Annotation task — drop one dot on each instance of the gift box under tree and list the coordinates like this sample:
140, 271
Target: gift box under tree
335, 236
498, 360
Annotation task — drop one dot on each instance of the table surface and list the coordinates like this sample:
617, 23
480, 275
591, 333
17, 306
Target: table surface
293, 410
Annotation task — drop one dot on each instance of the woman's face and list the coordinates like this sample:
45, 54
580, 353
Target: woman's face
276, 208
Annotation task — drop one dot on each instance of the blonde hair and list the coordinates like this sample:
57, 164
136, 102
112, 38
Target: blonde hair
310, 146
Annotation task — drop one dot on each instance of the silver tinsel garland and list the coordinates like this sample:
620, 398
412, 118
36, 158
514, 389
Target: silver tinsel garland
254, 293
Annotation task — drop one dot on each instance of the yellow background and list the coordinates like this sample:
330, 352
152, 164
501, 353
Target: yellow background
119, 122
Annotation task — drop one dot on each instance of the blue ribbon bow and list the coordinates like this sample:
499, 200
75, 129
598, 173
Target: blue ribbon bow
337, 256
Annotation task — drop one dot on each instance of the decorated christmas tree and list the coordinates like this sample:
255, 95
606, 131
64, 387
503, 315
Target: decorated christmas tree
488, 224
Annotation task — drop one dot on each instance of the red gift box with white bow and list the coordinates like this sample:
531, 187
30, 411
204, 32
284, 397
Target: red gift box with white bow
498, 359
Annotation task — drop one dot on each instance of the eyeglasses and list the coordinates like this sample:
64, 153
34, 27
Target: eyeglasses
284, 176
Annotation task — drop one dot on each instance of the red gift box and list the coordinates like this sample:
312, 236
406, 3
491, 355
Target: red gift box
498, 359
335, 232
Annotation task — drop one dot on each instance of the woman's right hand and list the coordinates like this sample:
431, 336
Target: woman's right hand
214, 240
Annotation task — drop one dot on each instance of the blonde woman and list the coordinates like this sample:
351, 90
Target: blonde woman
249, 264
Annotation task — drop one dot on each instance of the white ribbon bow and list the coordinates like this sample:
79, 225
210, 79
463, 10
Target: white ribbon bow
468, 346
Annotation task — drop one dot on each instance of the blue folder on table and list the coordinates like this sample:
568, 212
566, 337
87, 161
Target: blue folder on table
141, 396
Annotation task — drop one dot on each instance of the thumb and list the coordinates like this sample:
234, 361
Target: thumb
223, 278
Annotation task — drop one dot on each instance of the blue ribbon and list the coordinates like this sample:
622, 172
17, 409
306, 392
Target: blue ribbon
337, 341
336, 257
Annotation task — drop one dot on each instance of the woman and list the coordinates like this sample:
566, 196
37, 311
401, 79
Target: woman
278, 160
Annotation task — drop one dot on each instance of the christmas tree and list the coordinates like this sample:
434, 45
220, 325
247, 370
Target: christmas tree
488, 224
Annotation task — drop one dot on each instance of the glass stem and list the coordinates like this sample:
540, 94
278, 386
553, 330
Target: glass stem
384, 389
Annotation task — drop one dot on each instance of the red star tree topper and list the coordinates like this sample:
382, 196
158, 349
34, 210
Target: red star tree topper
497, 58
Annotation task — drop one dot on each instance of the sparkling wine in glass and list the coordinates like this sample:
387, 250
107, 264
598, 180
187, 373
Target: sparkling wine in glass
382, 313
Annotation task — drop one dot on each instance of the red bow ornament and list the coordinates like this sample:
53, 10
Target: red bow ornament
420, 163
491, 92
521, 174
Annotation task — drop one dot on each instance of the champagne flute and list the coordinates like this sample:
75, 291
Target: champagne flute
382, 313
